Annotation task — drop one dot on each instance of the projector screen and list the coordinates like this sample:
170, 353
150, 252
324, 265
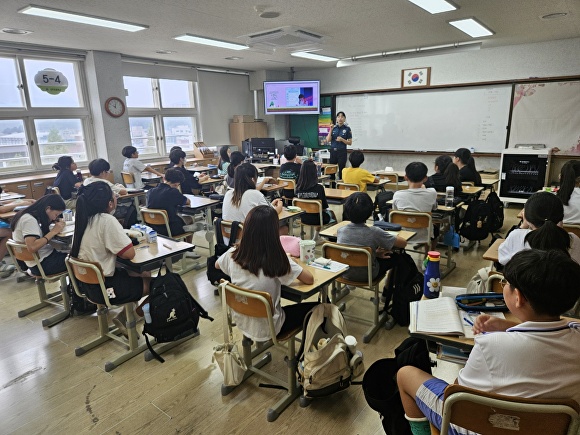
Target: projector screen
292, 98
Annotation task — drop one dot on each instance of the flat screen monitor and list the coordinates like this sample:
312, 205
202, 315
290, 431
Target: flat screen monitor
298, 97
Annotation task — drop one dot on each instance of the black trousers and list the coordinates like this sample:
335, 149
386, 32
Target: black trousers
338, 157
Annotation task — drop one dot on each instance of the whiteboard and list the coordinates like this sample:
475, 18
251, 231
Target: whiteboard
547, 113
429, 120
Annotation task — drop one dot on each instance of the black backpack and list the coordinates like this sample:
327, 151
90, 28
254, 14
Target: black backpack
174, 312
404, 288
127, 213
476, 222
381, 205
496, 216
215, 275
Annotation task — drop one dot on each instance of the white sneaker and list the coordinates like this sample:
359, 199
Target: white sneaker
6, 269
193, 255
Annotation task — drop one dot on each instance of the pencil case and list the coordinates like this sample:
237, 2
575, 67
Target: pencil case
481, 302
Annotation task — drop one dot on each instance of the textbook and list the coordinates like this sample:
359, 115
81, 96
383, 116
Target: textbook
440, 316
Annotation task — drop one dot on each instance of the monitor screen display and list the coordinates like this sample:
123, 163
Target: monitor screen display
297, 97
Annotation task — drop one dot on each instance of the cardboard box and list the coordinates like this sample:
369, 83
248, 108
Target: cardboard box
243, 118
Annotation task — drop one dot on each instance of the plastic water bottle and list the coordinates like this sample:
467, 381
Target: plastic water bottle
79, 176
152, 236
319, 170
146, 313
432, 283
67, 215
449, 195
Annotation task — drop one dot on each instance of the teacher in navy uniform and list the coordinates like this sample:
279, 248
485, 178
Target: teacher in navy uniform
339, 136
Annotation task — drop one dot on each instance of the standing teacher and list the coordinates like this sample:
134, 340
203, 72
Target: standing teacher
339, 137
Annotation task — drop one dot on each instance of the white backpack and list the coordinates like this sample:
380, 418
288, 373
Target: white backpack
478, 282
324, 359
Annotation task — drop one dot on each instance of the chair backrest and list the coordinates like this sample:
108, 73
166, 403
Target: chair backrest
156, 216
88, 272
347, 186
413, 220
392, 177
354, 256
494, 282
226, 229
495, 414
329, 169
312, 206
467, 183
19, 251
291, 184
128, 178
573, 228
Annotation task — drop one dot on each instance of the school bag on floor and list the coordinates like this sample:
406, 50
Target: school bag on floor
174, 312
324, 360
476, 222
496, 216
405, 287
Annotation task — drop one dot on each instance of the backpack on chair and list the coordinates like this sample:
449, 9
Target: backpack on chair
215, 275
174, 312
405, 287
324, 359
476, 222
496, 215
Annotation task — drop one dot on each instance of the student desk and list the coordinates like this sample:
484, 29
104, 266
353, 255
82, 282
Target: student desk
331, 232
379, 185
270, 189
8, 215
200, 204
150, 178
489, 181
211, 182
290, 216
200, 169
298, 291
148, 256
9, 196
337, 196
492, 253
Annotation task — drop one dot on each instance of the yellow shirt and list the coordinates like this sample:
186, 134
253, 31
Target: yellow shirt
358, 176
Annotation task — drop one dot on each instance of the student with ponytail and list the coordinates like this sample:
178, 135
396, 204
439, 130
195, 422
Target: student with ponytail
446, 174
569, 191
541, 229
66, 181
99, 237
466, 165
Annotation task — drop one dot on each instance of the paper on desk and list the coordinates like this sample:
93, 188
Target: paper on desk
452, 292
260, 179
333, 266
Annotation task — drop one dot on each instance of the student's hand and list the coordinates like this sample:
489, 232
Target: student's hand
383, 253
486, 323
58, 227
278, 205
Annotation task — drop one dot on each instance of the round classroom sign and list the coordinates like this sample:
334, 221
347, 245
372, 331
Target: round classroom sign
51, 81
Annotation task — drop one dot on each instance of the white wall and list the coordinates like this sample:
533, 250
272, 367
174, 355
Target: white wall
546, 59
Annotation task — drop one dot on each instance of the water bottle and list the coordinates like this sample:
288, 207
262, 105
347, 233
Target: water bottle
152, 236
449, 195
318, 170
146, 313
432, 283
67, 215
79, 176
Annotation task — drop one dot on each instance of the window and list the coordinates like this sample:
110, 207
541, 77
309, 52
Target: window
162, 114
37, 126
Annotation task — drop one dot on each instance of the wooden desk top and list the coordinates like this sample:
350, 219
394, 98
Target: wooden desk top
199, 201
471, 190
200, 169
149, 176
288, 214
211, 181
9, 196
321, 277
274, 187
380, 183
332, 231
492, 252
149, 255
8, 215
337, 193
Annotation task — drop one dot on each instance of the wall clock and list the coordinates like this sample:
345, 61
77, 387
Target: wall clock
115, 107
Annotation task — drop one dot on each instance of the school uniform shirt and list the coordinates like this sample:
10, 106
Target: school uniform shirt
361, 235
224, 169
314, 192
135, 167
344, 132
167, 198
116, 188
515, 243
250, 199
417, 199
532, 359
572, 210
65, 181
103, 240
190, 182
290, 170
467, 174
439, 183
255, 328
358, 176
28, 226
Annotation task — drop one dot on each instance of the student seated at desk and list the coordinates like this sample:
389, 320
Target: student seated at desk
166, 196
6, 234
446, 174
135, 166
66, 180
416, 197
569, 192
190, 182
357, 209
356, 174
99, 168
466, 165
224, 160
308, 187
236, 159
537, 358
31, 227
291, 168
541, 229
260, 263
99, 237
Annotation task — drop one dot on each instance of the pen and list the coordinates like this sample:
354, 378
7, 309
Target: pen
143, 247
167, 246
469, 322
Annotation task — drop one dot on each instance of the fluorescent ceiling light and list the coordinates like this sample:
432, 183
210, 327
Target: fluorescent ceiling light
80, 18
213, 42
434, 6
314, 56
471, 27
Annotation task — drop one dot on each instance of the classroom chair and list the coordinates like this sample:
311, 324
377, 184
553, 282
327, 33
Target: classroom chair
155, 216
288, 191
573, 228
415, 220
19, 251
330, 170
468, 183
392, 177
347, 186
496, 414
225, 228
128, 179
357, 256
493, 283
312, 206
259, 305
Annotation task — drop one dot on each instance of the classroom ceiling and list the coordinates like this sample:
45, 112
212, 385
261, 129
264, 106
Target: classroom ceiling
349, 29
